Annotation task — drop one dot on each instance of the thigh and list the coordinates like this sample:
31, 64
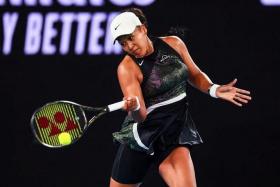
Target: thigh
177, 168
114, 183
130, 167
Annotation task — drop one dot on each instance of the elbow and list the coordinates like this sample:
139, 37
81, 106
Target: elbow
141, 119
140, 115
143, 114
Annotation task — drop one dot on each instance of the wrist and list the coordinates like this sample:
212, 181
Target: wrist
138, 104
212, 90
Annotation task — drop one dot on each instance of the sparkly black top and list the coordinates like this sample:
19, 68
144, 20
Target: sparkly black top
164, 77
164, 73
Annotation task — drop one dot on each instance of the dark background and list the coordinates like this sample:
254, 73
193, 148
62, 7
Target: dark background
227, 39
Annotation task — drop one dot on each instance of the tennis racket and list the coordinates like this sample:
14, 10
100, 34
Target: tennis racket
62, 123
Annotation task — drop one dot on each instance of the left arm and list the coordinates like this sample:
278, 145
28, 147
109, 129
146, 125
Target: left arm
197, 78
201, 81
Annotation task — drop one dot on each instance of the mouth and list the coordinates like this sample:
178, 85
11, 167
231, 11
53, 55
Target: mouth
136, 52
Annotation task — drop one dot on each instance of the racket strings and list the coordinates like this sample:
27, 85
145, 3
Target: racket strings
57, 118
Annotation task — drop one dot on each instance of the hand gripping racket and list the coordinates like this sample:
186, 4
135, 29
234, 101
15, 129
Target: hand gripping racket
62, 123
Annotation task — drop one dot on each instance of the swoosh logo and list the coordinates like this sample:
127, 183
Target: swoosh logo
117, 26
140, 64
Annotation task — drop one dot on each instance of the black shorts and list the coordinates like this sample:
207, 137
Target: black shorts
130, 166
164, 129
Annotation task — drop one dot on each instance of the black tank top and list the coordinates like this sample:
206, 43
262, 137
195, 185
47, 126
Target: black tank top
164, 73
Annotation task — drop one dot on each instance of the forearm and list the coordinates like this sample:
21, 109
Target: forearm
136, 108
200, 81
139, 115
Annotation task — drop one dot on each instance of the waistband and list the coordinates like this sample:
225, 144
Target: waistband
167, 102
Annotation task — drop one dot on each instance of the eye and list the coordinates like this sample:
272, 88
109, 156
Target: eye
131, 37
123, 44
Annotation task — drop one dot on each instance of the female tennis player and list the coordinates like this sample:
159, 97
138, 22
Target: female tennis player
158, 128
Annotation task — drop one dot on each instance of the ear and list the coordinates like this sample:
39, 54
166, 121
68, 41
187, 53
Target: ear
143, 29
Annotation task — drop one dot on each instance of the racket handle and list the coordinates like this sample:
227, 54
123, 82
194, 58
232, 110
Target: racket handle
116, 106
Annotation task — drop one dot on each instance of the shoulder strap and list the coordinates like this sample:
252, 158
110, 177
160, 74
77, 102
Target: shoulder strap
169, 48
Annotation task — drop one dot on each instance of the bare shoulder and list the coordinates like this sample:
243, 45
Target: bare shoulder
175, 42
171, 39
126, 64
128, 68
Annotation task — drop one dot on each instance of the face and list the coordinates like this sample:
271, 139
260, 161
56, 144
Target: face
136, 43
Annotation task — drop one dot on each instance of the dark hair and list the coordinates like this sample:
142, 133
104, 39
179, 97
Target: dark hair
139, 13
180, 31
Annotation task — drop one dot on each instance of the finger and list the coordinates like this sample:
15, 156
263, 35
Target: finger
241, 100
131, 99
128, 98
131, 104
243, 91
236, 103
243, 96
232, 82
125, 106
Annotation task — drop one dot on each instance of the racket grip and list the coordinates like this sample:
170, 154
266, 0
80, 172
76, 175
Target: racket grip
116, 106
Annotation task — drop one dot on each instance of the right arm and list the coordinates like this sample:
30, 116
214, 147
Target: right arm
130, 77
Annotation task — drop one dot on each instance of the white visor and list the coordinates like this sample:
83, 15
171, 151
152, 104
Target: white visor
123, 24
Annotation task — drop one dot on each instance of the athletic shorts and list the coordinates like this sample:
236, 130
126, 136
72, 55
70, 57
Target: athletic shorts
164, 129
130, 166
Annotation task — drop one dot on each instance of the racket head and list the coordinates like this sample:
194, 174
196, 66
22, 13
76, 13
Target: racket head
58, 124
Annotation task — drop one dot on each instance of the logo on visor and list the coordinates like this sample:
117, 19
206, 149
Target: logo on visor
117, 26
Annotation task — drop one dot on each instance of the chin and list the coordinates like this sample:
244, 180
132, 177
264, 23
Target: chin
139, 55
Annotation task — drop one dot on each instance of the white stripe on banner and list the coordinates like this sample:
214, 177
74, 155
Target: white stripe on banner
270, 2
167, 102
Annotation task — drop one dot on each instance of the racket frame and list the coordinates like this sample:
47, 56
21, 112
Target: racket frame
98, 110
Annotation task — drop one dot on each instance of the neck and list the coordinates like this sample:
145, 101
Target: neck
150, 47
